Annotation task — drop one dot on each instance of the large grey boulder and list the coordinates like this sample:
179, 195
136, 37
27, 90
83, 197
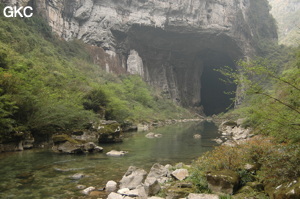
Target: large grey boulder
133, 178
151, 186
159, 172
66, 144
225, 181
109, 132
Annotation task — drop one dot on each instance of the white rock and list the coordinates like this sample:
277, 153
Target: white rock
113, 195
88, 190
77, 176
116, 153
123, 191
180, 174
111, 186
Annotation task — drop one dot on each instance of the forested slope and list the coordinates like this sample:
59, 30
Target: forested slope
49, 85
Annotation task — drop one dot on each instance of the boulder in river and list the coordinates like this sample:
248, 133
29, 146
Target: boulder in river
88, 190
116, 153
77, 176
65, 144
109, 132
197, 136
150, 135
153, 135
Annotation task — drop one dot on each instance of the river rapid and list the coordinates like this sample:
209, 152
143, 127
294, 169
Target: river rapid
40, 173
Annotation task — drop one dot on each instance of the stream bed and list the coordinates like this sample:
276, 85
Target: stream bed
40, 173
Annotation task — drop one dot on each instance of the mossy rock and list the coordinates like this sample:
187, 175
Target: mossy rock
64, 138
230, 123
179, 192
228, 175
110, 128
223, 182
245, 189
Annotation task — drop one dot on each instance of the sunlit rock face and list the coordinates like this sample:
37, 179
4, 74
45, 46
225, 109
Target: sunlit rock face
175, 45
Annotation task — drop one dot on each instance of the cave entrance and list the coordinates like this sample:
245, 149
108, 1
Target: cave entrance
216, 95
182, 64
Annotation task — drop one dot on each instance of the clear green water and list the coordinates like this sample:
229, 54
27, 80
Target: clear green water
34, 173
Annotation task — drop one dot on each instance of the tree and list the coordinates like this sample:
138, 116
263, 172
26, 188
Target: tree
270, 96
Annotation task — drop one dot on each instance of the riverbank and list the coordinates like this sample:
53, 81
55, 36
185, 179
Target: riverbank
26, 141
252, 169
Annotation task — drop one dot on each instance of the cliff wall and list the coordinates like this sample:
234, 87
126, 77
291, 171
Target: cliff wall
175, 45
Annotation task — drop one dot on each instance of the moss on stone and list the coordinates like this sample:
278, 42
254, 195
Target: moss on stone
109, 128
64, 138
228, 175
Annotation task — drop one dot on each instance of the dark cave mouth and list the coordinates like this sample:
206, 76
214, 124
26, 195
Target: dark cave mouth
216, 94
192, 58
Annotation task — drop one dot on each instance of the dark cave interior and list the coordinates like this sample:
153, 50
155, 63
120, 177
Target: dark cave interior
216, 94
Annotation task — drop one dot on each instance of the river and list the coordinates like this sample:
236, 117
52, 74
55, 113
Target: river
39, 173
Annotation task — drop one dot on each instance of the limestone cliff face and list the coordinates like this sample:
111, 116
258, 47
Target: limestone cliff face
173, 44
287, 15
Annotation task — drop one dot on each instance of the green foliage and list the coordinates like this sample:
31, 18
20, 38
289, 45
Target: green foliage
95, 100
245, 176
274, 163
271, 96
7, 108
198, 178
49, 85
281, 166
